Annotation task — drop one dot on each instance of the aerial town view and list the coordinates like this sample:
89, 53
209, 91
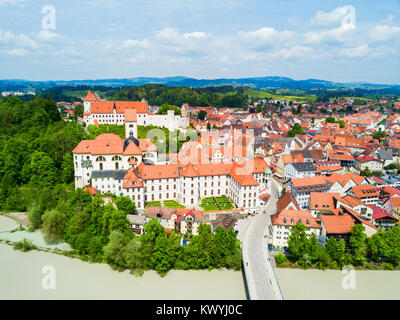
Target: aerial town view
199, 150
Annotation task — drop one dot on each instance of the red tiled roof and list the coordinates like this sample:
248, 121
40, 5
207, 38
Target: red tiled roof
367, 158
120, 106
287, 215
379, 213
130, 115
337, 224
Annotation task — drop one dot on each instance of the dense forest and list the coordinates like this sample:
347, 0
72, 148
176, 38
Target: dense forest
37, 176
159, 94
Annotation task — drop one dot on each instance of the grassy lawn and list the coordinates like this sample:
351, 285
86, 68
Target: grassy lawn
209, 207
208, 204
173, 204
264, 94
226, 205
154, 204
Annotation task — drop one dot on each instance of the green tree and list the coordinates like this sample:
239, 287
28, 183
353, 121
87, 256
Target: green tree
118, 221
165, 107
43, 170
378, 246
379, 135
336, 250
53, 226
298, 243
153, 230
78, 110
114, 250
132, 254
393, 241
126, 205
297, 129
95, 248
341, 123
67, 168
201, 115
358, 244
163, 256
280, 258
34, 216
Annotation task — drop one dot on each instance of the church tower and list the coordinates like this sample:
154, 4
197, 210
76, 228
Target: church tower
88, 100
130, 123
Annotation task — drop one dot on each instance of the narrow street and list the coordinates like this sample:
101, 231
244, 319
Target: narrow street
261, 280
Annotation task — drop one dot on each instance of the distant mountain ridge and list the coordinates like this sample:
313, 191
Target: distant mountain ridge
262, 83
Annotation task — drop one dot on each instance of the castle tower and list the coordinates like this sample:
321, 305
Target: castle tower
130, 123
88, 100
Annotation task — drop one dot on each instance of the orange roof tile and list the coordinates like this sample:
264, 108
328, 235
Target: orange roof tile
364, 191
91, 97
395, 201
285, 200
120, 106
190, 171
290, 217
337, 224
309, 181
322, 200
130, 115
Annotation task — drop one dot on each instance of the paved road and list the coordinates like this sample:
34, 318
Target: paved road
260, 276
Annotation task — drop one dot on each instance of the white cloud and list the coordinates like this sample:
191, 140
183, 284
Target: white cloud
17, 52
299, 52
335, 17
383, 32
48, 36
265, 36
22, 40
340, 34
172, 36
194, 35
12, 1
357, 52
132, 43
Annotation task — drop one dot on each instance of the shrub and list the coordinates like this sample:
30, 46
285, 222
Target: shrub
280, 258
24, 245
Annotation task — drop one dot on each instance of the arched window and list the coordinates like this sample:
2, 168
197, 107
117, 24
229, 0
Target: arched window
292, 221
101, 166
116, 158
308, 221
284, 220
100, 159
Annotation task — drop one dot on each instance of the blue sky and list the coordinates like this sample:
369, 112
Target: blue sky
342, 41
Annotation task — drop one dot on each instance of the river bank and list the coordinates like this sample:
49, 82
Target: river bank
19, 217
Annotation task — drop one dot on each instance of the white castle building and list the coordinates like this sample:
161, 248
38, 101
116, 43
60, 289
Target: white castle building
97, 111
129, 168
